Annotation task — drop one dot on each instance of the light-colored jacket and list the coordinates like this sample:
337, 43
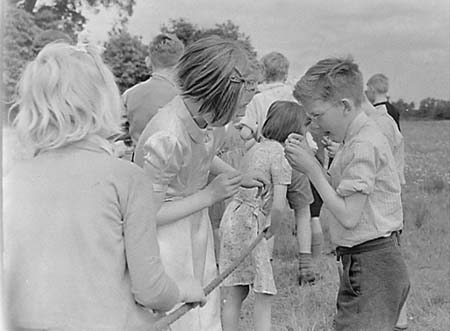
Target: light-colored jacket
80, 248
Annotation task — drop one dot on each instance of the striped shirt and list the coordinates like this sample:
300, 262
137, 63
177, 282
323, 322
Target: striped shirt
389, 128
365, 164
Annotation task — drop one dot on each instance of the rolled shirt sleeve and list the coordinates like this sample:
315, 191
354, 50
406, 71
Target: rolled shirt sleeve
360, 170
150, 285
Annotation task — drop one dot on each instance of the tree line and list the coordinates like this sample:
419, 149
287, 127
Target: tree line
29, 26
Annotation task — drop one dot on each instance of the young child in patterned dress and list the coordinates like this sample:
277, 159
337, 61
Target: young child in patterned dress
249, 213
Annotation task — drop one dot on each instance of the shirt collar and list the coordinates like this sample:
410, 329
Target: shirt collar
355, 126
270, 86
380, 103
375, 111
197, 134
166, 78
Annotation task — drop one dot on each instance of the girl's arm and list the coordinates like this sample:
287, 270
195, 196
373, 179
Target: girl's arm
163, 156
278, 206
221, 187
218, 166
248, 136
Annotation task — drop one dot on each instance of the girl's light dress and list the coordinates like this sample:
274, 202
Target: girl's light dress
178, 154
247, 214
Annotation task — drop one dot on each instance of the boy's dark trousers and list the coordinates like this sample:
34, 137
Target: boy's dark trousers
373, 286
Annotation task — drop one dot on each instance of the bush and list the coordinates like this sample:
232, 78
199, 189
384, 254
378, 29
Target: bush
20, 32
125, 54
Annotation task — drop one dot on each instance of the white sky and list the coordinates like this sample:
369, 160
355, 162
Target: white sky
408, 40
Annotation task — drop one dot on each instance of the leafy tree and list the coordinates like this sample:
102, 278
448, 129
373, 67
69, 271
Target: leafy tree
184, 30
406, 109
442, 110
48, 36
20, 33
188, 32
426, 107
125, 54
66, 14
434, 108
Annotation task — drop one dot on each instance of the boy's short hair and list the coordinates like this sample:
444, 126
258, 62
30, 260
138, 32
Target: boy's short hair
330, 80
379, 82
275, 66
165, 50
66, 94
211, 72
284, 118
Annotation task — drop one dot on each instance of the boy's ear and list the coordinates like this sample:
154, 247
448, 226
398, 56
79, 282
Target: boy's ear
348, 105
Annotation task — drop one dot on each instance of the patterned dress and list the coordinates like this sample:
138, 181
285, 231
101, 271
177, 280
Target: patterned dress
246, 215
178, 155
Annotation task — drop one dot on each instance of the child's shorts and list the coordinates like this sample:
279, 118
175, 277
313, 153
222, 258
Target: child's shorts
317, 203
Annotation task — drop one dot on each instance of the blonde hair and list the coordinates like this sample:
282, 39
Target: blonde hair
379, 82
330, 80
165, 50
211, 72
66, 94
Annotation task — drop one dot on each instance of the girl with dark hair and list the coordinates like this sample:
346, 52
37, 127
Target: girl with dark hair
249, 213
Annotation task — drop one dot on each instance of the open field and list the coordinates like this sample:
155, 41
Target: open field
426, 243
426, 246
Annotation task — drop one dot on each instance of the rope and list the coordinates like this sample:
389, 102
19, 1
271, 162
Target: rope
164, 322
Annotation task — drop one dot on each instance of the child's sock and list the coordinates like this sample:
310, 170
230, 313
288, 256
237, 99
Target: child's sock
316, 244
306, 272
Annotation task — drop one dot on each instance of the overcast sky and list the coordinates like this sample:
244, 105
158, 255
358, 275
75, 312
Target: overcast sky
408, 40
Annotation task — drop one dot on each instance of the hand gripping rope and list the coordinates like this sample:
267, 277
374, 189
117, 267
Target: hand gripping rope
163, 323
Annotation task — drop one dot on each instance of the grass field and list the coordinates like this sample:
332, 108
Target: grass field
426, 246
425, 242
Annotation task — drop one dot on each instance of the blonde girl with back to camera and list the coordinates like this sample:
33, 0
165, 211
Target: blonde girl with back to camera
80, 249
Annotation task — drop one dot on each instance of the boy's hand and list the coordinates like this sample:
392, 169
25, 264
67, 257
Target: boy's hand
331, 146
299, 155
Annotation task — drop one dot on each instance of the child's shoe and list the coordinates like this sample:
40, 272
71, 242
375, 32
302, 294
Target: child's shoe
306, 272
307, 278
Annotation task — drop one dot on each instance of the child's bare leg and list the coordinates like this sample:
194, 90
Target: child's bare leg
233, 296
303, 223
317, 237
303, 234
263, 312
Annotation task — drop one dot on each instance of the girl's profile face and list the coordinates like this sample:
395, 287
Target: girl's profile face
248, 91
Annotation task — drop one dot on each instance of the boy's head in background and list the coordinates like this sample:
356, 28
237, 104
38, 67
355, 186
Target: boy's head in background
377, 85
